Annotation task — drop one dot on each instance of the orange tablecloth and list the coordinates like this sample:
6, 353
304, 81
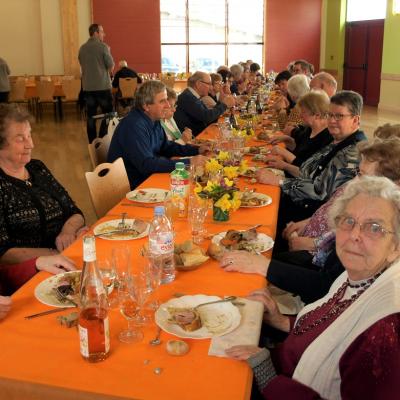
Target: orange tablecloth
40, 358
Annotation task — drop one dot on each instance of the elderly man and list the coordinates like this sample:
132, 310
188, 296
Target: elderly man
140, 139
303, 67
191, 112
96, 65
324, 81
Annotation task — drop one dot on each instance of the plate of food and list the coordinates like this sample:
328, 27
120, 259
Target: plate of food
148, 195
256, 150
249, 240
133, 229
68, 283
250, 172
252, 199
180, 317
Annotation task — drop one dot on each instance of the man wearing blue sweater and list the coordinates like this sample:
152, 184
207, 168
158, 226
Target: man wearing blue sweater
140, 140
191, 112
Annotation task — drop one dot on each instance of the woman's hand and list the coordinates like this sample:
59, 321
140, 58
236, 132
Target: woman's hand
64, 239
297, 243
55, 264
5, 306
275, 162
243, 261
294, 227
187, 135
267, 177
242, 352
272, 315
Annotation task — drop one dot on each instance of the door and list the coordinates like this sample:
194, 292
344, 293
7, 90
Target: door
363, 59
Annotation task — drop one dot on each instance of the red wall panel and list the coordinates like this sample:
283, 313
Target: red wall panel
293, 29
132, 31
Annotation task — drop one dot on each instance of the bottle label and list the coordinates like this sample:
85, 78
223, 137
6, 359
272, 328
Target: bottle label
89, 248
180, 187
162, 244
84, 341
106, 335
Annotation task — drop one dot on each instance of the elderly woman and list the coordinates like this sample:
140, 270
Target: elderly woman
309, 269
169, 125
345, 345
237, 74
306, 139
321, 174
289, 118
213, 91
37, 216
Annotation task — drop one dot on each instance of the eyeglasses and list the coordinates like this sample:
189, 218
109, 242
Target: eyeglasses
373, 230
206, 83
338, 117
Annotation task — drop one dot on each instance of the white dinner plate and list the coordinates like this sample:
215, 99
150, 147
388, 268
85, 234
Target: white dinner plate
44, 292
267, 200
261, 244
217, 319
112, 225
148, 195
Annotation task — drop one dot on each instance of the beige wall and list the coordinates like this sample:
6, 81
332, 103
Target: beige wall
31, 37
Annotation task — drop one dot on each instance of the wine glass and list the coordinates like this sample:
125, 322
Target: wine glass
129, 308
198, 209
154, 267
142, 287
108, 276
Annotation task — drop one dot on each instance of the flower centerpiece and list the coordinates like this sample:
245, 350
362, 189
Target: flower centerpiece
220, 186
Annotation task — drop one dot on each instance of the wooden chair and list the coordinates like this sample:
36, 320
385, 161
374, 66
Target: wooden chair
45, 93
98, 150
71, 89
108, 184
17, 92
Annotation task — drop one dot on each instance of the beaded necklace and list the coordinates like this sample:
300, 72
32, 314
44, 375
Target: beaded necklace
336, 305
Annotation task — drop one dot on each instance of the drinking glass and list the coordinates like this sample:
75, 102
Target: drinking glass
198, 209
129, 308
121, 257
154, 268
109, 276
142, 287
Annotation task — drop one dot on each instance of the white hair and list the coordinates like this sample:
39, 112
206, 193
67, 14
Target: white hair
298, 86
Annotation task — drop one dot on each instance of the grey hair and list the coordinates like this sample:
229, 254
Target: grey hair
197, 76
347, 98
236, 71
372, 186
325, 78
298, 86
146, 93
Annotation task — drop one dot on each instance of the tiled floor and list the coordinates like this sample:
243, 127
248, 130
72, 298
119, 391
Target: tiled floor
62, 146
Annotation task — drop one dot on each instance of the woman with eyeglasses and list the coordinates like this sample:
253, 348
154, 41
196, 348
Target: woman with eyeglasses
311, 265
169, 125
346, 344
332, 166
306, 139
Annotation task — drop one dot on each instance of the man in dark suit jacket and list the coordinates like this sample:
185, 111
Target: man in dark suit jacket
191, 111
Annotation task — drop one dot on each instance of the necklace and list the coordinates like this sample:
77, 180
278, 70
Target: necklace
336, 305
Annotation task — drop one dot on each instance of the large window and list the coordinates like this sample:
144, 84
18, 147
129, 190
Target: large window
203, 34
361, 10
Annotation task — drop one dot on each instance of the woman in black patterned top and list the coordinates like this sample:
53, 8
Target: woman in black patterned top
37, 216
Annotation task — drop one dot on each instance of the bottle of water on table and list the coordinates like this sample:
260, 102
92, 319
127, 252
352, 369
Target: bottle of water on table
161, 244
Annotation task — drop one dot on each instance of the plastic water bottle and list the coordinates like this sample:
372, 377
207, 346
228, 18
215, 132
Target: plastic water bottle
161, 244
180, 185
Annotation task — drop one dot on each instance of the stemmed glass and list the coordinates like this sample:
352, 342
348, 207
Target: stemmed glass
198, 209
154, 267
109, 277
129, 307
142, 287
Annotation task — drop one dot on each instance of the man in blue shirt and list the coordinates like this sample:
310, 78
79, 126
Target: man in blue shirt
141, 141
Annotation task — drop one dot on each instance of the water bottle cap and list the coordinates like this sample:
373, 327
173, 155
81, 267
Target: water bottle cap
159, 210
180, 165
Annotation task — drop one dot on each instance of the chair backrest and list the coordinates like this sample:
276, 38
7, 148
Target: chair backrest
128, 87
17, 91
45, 90
112, 125
108, 184
71, 89
98, 150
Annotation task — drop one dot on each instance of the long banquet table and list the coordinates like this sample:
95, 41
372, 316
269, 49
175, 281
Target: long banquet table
40, 359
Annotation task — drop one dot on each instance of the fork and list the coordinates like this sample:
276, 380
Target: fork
121, 225
62, 298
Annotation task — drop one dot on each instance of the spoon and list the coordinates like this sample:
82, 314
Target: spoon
156, 341
226, 299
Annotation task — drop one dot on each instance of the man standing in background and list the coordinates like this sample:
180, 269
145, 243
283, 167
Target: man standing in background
96, 65
4, 81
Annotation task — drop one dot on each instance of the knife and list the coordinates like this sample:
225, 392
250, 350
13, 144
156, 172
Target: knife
55, 310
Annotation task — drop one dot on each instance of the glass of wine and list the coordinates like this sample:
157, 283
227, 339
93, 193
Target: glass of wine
108, 275
128, 305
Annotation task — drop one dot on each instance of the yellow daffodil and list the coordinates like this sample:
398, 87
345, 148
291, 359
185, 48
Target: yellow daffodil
198, 188
223, 156
210, 186
213, 166
224, 203
228, 182
231, 172
236, 200
243, 167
